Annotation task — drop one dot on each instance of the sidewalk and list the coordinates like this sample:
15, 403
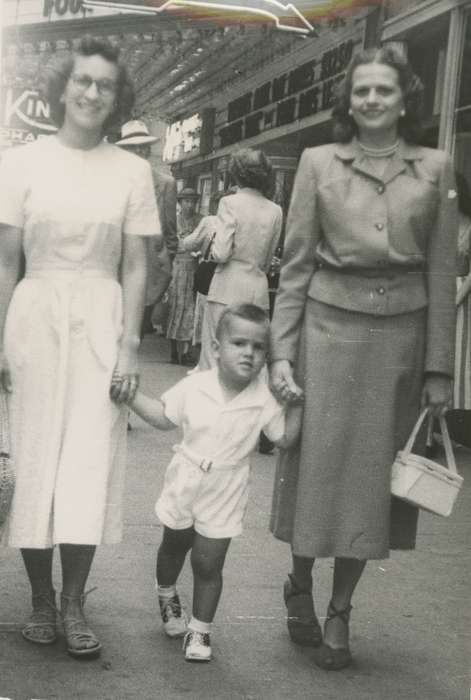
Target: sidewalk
410, 623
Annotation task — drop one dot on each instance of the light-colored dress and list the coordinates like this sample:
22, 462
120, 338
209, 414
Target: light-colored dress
248, 233
62, 335
180, 292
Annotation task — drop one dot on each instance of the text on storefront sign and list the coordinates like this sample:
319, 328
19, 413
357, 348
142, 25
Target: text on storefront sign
304, 91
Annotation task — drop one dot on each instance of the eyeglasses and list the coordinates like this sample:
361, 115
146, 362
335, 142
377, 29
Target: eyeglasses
105, 86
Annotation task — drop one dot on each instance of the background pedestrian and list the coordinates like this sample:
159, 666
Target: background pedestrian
247, 235
135, 137
181, 291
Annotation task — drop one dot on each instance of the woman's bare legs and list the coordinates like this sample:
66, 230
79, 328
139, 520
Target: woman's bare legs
76, 561
347, 573
302, 572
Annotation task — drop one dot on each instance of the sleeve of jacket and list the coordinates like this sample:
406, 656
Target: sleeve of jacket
169, 216
441, 278
302, 235
223, 241
277, 226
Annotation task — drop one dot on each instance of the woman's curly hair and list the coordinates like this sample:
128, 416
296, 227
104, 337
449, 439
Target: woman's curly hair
56, 78
251, 168
410, 125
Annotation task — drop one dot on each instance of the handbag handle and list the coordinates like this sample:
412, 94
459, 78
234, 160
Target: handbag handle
4, 427
450, 457
207, 252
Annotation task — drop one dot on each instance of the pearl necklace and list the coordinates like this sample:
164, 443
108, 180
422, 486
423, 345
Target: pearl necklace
379, 152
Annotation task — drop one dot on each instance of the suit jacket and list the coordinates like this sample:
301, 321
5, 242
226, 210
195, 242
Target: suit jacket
247, 235
159, 261
378, 245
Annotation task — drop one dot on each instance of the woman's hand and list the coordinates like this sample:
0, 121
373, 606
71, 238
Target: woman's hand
125, 379
437, 394
282, 383
5, 377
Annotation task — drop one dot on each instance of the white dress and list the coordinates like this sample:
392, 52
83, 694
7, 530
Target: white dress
62, 335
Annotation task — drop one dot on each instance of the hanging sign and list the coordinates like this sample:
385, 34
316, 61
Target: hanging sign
24, 116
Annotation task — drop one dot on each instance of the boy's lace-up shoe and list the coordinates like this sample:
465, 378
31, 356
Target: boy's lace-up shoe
173, 616
197, 646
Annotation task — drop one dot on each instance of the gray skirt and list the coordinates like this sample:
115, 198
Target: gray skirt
363, 377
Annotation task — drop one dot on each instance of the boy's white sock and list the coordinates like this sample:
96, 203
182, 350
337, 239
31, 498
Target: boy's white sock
196, 625
166, 591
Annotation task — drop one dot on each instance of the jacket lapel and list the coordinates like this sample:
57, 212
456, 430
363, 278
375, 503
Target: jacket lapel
399, 163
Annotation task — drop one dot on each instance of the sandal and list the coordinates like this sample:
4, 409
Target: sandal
81, 641
41, 627
303, 625
327, 657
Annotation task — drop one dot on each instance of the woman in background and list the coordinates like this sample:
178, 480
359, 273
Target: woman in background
247, 235
180, 292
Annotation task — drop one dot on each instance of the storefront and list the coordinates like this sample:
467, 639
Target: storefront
286, 107
282, 107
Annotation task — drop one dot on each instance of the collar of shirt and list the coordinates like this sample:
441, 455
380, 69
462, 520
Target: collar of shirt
254, 395
406, 153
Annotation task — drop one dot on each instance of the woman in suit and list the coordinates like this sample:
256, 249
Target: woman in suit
248, 230
364, 321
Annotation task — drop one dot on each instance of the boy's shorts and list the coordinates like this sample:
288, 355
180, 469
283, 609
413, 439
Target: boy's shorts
213, 502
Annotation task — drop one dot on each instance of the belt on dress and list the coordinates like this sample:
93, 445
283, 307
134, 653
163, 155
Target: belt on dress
204, 463
67, 273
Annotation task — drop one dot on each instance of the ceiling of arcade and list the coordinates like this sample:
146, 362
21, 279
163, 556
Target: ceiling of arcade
178, 65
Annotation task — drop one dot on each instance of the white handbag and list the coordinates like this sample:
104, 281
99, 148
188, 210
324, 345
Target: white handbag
423, 482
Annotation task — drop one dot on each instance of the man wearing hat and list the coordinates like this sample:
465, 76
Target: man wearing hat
135, 137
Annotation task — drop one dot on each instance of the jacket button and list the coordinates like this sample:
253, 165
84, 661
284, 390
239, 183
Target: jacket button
381, 290
380, 189
379, 226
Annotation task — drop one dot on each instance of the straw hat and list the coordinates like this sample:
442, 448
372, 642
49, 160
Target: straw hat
188, 193
135, 133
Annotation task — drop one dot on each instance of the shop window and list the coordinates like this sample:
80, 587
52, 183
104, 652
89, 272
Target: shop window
204, 189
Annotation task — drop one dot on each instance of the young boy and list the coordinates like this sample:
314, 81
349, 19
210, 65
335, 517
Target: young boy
222, 412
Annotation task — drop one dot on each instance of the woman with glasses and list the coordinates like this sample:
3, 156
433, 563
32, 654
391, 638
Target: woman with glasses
79, 209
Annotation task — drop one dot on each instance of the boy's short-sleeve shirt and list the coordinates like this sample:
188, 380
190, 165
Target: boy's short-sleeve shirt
221, 430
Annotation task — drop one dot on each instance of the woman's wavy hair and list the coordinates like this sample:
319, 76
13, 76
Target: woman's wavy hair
251, 168
56, 78
410, 125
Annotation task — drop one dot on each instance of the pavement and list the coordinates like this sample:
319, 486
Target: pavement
410, 627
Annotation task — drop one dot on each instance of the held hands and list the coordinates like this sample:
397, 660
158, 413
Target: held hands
125, 379
5, 378
282, 383
437, 394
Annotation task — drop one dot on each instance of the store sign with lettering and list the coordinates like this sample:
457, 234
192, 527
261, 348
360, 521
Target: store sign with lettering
61, 8
24, 116
305, 91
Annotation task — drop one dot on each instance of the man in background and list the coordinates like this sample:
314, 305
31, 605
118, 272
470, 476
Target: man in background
135, 137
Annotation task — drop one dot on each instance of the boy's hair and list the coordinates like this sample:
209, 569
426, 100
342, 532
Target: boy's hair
249, 312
